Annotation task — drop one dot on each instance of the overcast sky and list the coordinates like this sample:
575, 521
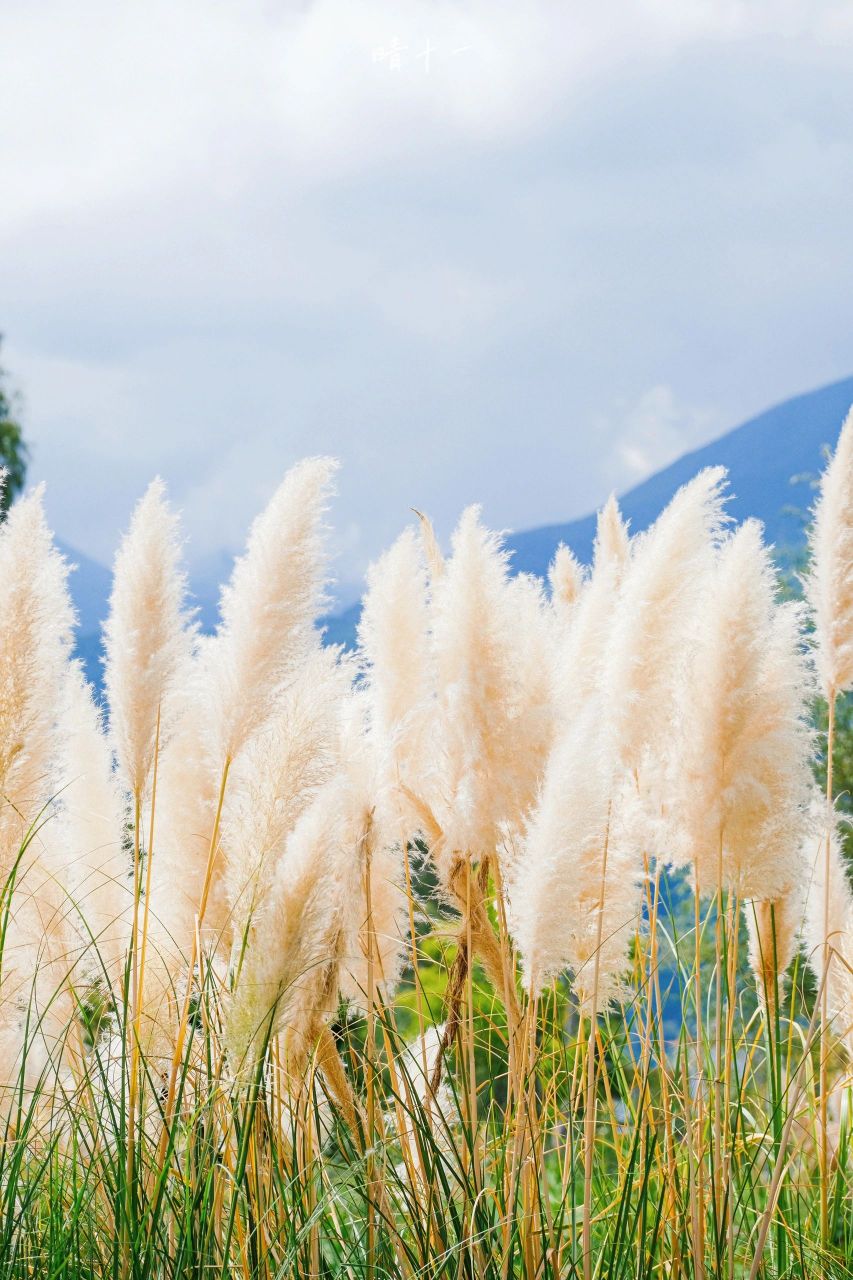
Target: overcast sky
491, 250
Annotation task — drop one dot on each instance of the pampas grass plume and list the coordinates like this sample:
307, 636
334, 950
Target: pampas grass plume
393, 636
657, 606
744, 781
91, 825
232, 692
35, 635
277, 777
830, 581
269, 607
575, 874
565, 578
835, 891
147, 640
290, 979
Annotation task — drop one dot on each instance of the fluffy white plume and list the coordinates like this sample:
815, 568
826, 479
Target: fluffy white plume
830, 582
565, 578
277, 778
147, 640
650, 628
580, 651
290, 976
489, 728
90, 827
35, 636
432, 551
743, 783
531, 629
774, 929
269, 607
239, 676
35, 632
394, 639
840, 922
377, 923
612, 542
576, 875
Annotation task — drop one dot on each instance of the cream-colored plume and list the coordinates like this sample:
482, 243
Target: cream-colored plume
394, 640
432, 551
147, 640
580, 650
277, 777
743, 784
774, 928
834, 893
290, 977
270, 606
38, 952
376, 925
565, 578
612, 542
574, 894
830, 581
267, 632
488, 713
650, 630
35, 636
90, 826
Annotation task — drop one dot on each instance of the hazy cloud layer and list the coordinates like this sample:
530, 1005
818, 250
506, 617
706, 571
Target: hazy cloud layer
553, 248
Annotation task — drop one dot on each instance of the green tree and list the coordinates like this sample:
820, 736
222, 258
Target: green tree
14, 454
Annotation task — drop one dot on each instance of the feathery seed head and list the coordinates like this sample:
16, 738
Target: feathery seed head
270, 605
830, 581
565, 577
147, 637
743, 783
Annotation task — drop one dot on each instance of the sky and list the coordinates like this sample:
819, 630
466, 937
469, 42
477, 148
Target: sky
499, 251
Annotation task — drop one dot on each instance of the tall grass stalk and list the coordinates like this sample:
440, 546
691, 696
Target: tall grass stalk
827, 961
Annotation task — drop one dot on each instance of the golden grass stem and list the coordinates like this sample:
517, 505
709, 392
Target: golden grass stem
590, 1099
824, 999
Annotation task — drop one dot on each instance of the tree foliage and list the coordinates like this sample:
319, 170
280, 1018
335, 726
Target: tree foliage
14, 454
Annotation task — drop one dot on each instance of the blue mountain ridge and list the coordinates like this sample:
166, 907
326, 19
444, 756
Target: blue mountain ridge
772, 461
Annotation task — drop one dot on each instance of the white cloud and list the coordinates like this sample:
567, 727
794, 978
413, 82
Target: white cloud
231, 236
102, 103
655, 431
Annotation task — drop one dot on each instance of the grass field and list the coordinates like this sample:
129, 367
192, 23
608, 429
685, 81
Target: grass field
517, 944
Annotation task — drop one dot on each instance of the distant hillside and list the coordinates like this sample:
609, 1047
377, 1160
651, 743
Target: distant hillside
763, 457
